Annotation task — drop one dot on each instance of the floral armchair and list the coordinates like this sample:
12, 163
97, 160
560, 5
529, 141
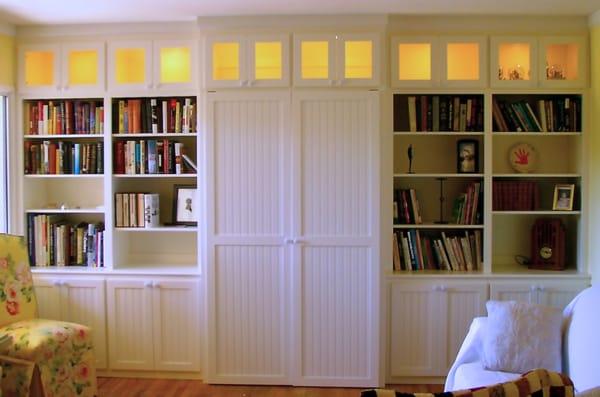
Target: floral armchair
44, 357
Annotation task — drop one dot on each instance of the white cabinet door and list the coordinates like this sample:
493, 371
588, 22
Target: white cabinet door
521, 291
416, 337
464, 301
176, 313
129, 66
336, 271
129, 309
560, 293
248, 272
82, 302
47, 295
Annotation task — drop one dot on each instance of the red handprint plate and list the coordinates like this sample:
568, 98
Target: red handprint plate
522, 157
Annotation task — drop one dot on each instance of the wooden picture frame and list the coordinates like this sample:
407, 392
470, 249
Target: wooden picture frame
185, 208
563, 197
467, 156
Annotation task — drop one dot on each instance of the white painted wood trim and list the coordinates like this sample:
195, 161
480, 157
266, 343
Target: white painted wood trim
594, 19
7, 29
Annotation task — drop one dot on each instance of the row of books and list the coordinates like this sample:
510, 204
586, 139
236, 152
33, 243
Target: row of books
467, 206
53, 241
63, 117
137, 210
444, 113
416, 250
515, 196
406, 207
151, 115
553, 115
51, 157
151, 157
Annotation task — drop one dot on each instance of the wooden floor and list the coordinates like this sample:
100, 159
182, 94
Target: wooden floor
123, 387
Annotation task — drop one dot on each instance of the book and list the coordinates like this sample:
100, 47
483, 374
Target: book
188, 162
151, 210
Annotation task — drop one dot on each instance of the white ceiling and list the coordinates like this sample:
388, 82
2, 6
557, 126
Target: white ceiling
35, 12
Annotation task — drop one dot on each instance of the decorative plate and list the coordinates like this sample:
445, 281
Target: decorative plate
522, 157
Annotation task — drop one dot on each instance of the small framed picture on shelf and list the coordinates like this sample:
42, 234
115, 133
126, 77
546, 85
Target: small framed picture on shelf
563, 197
185, 205
467, 156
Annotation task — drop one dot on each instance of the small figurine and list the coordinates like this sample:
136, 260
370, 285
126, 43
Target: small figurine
410, 158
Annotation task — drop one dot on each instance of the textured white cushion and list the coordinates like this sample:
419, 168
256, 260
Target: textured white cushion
520, 337
471, 375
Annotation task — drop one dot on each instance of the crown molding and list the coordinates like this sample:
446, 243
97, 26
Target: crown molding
107, 29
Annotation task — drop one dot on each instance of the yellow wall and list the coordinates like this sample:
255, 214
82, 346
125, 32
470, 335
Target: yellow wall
594, 164
7, 60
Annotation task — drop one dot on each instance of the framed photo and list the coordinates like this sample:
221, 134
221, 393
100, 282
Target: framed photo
563, 197
467, 156
185, 205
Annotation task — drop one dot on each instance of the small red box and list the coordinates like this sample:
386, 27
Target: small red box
548, 245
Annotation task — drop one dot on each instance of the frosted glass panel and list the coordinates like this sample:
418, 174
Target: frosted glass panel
226, 61
315, 59
414, 61
130, 65
39, 68
267, 60
83, 67
358, 62
562, 61
514, 61
175, 65
462, 61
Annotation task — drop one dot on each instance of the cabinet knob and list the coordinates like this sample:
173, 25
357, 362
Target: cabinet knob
150, 86
288, 241
155, 284
533, 288
331, 82
298, 241
148, 284
250, 83
56, 283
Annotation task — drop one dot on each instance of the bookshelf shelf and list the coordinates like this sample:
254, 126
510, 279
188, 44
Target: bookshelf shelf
432, 175
434, 226
516, 133
532, 175
555, 213
143, 176
151, 135
167, 229
65, 211
65, 136
438, 133
65, 176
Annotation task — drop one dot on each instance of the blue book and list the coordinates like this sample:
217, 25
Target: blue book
138, 157
77, 161
152, 169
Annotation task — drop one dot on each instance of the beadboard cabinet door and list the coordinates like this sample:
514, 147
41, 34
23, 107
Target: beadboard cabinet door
540, 291
248, 259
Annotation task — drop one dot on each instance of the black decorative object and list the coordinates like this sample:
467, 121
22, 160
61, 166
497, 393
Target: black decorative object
441, 221
410, 153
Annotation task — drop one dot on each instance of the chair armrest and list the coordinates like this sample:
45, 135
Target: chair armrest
470, 350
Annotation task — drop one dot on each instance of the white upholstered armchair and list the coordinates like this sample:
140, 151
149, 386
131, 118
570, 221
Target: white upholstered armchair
580, 349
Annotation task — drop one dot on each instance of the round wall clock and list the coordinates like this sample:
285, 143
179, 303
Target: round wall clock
522, 157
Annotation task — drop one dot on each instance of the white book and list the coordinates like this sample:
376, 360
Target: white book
164, 117
178, 158
151, 210
189, 162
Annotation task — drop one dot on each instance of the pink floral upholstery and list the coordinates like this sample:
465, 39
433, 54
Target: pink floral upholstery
62, 352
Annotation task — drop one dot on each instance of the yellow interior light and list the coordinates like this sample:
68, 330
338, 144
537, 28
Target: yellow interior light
358, 59
315, 59
130, 65
462, 61
562, 61
267, 60
175, 65
39, 68
513, 61
414, 61
226, 61
83, 67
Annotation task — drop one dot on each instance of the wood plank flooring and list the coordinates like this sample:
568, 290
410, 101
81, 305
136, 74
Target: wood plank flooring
125, 387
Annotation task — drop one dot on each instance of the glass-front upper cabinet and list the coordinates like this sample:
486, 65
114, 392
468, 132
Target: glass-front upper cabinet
415, 61
513, 61
67, 68
563, 61
246, 61
336, 60
152, 65
464, 61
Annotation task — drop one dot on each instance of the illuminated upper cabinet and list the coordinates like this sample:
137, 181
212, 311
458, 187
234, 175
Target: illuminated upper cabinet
151, 65
463, 61
331, 60
68, 68
513, 61
247, 61
563, 61
415, 61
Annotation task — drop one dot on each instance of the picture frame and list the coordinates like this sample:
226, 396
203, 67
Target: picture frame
185, 208
467, 156
563, 197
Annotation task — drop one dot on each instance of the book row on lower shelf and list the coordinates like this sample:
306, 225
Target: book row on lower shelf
152, 157
515, 196
415, 250
51, 157
154, 115
64, 117
137, 210
53, 241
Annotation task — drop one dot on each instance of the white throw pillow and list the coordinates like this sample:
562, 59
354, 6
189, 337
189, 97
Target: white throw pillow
520, 337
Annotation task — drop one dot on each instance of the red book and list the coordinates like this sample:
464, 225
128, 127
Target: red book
68, 117
120, 158
172, 113
40, 107
165, 157
52, 158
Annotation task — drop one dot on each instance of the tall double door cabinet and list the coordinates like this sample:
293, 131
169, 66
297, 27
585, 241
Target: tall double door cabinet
292, 239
